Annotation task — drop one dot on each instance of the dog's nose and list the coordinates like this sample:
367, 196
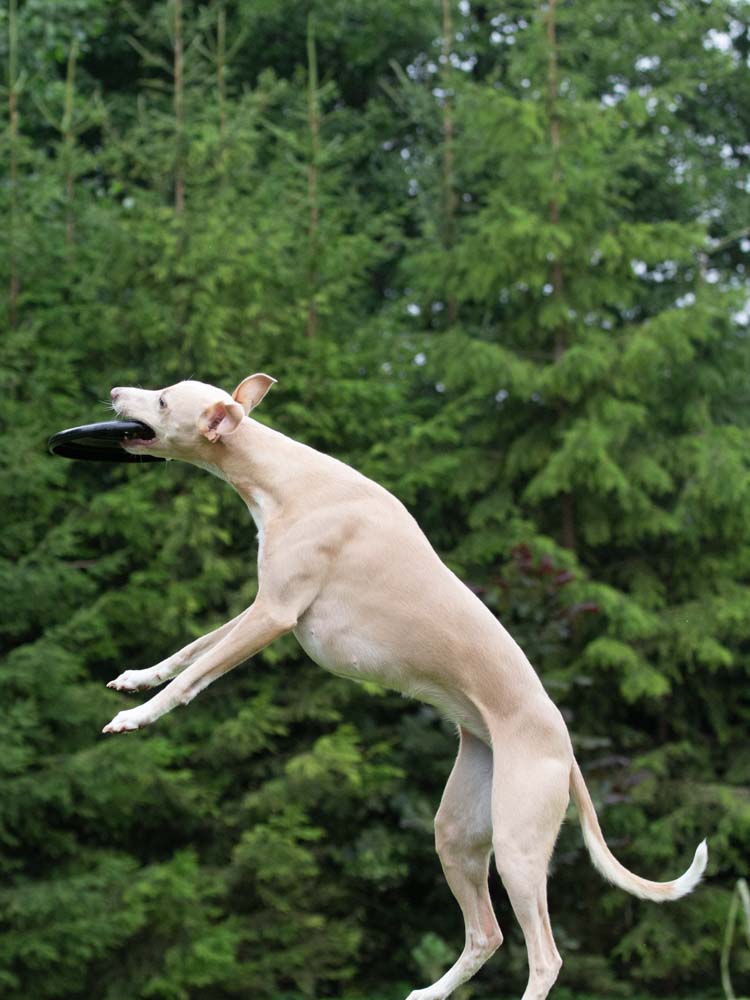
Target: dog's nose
115, 393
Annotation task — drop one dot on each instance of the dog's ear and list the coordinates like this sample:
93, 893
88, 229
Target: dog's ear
220, 419
251, 390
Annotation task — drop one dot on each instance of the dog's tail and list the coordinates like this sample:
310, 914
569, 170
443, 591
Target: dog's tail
608, 865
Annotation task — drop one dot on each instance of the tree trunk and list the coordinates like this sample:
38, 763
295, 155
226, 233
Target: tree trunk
313, 115
449, 184
221, 81
15, 281
69, 147
557, 279
179, 113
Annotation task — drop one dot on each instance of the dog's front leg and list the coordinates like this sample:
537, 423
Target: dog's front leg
141, 680
254, 629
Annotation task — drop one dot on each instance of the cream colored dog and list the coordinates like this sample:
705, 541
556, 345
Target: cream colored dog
343, 565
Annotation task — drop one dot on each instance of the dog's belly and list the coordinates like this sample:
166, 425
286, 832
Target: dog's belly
348, 652
342, 651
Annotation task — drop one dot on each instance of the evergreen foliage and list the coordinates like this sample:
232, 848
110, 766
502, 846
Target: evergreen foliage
496, 259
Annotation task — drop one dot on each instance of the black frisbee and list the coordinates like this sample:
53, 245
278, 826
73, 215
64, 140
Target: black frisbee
102, 442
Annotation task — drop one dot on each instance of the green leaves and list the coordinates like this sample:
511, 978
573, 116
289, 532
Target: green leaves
552, 374
639, 679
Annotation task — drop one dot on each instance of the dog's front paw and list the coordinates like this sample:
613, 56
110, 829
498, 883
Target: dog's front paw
126, 722
133, 680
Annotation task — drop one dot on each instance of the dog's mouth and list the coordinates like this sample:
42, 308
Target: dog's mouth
143, 437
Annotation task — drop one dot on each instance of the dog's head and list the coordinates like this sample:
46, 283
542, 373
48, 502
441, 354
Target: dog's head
189, 418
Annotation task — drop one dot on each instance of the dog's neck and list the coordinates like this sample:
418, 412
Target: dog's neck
259, 463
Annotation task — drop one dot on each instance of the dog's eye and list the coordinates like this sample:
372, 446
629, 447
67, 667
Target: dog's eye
162, 403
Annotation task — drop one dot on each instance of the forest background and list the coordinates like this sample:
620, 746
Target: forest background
496, 256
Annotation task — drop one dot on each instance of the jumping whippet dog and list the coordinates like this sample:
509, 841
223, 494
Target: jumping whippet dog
345, 567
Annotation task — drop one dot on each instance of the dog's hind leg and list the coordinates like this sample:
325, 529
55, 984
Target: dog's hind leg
463, 837
528, 805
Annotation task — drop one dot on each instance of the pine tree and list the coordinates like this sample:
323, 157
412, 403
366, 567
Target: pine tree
516, 238
149, 871
587, 409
